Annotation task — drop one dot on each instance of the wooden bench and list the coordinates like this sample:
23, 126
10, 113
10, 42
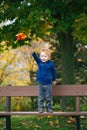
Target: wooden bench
32, 91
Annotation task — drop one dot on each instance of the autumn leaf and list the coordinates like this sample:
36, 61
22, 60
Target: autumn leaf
21, 36
37, 126
56, 122
72, 120
49, 116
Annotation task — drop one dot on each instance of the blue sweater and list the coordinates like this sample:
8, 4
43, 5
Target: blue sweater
46, 71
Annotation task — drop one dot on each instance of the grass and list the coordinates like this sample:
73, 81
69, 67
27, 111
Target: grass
43, 123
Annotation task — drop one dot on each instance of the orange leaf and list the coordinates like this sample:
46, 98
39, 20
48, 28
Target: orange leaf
21, 36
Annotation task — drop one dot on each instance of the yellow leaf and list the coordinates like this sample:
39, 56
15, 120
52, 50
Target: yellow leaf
37, 126
51, 123
56, 121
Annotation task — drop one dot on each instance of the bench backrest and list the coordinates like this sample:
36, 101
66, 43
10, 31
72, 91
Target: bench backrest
58, 90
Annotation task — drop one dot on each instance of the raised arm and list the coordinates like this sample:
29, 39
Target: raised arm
36, 58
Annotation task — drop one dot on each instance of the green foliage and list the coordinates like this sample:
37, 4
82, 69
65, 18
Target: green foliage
80, 28
23, 104
35, 16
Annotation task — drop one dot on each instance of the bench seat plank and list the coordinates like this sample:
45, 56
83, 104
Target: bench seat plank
44, 114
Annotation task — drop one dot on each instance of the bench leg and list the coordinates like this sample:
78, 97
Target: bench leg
77, 122
8, 122
8, 118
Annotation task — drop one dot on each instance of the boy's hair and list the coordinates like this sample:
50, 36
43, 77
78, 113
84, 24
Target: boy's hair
47, 51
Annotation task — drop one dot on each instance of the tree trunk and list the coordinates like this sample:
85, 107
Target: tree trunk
67, 57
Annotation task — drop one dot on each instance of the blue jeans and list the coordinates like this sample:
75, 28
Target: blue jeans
45, 93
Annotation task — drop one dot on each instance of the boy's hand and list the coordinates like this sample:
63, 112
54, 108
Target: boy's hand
32, 50
54, 83
33, 47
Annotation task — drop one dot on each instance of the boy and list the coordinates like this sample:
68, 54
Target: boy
46, 75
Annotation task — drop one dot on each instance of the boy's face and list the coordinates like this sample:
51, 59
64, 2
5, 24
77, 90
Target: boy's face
44, 57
